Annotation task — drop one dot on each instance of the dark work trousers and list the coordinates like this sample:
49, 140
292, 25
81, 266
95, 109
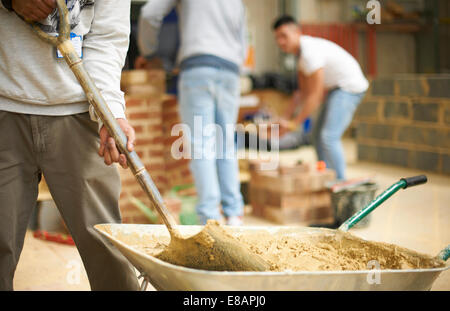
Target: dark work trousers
85, 190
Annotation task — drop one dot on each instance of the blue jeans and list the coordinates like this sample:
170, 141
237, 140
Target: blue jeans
335, 116
210, 97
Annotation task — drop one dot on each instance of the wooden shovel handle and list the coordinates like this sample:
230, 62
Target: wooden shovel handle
95, 98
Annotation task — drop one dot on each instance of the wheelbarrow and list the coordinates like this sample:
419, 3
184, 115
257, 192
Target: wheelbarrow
165, 276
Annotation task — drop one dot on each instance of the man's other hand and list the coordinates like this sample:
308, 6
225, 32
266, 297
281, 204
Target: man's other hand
108, 149
143, 63
33, 10
140, 63
286, 126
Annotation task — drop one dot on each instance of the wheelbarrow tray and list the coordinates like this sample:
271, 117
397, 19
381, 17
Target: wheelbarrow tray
166, 276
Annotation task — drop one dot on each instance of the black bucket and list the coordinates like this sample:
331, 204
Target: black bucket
349, 201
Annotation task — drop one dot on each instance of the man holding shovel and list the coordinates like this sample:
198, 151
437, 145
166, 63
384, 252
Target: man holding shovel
47, 127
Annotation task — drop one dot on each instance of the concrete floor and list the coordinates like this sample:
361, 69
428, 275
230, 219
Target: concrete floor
417, 218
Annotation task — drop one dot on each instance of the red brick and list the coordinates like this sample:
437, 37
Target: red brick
149, 141
140, 219
186, 172
155, 167
137, 193
127, 207
321, 199
128, 182
272, 181
169, 103
138, 129
257, 209
156, 153
145, 115
173, 204
155, 128
175, 164
170, 115
298, 169
286, 216
135, 102
319, 213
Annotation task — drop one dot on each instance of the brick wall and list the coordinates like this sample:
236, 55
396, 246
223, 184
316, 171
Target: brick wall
405, 121
152, 113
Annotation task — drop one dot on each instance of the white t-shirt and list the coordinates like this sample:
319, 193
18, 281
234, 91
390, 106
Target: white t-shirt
341, 70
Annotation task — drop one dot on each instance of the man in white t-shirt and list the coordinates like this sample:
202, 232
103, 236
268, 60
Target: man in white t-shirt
323, 66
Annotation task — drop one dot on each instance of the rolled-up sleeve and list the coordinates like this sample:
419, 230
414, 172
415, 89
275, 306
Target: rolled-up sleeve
105, 48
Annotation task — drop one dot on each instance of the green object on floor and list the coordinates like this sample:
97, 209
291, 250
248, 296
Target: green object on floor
188, 214
401, 184
148, 212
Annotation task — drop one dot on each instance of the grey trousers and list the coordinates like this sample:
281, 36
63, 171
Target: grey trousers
85, 190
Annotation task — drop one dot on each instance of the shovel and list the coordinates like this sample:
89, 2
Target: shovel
211, 249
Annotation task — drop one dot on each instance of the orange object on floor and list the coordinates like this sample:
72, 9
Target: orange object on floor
321, 166
54, 237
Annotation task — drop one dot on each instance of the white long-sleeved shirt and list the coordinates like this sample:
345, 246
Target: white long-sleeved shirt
34, 81
208, 27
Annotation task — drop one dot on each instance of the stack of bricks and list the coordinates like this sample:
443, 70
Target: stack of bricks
405, 121
291, 194
146, 102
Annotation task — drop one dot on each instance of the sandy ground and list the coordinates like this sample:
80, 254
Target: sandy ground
417, 218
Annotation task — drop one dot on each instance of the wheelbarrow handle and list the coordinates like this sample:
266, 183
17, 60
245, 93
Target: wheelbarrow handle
95, 98
401, 184
415, 181
444, 254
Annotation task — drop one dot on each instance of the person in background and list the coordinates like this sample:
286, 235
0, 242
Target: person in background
212, 49
46, 128
323, 66
168, 43
165, 57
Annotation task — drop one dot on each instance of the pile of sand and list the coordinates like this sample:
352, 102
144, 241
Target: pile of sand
341, 251
330, 252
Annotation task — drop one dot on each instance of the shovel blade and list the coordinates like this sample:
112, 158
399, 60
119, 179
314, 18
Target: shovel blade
212, 249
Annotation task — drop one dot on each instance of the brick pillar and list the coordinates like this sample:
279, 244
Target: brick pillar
152, 113
144, 96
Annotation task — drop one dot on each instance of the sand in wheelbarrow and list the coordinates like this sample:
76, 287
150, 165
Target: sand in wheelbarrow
337, 252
